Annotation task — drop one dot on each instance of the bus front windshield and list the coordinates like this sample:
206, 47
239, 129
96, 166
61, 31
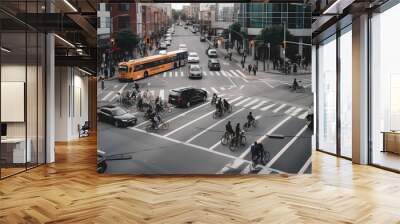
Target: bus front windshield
123, 68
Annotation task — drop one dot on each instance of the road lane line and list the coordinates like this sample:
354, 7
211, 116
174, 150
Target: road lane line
214, 90
251, 102
107, 96
285, 148
303, 115
189, 123
240, 73
305, 166
161, 94
295, 112
243, 101
267, 107
215, 124
279, 108
263, 81
259, 104
266, 135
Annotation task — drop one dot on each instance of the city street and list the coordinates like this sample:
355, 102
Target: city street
191, 145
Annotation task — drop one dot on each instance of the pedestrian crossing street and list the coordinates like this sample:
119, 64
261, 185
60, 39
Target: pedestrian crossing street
233, 73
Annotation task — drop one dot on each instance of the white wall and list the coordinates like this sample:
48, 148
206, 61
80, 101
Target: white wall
71, 102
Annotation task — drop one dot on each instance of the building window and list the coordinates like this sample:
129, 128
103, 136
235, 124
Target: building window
123, 7
98, 22
108, 22
327, 95
123, 22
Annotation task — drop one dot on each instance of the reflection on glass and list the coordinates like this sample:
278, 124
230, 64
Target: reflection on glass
327, 96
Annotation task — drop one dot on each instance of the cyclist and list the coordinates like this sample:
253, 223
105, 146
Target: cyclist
153, 118
219, 106
237, 133
295, 84
149, 111
229, 129
250, 119
140, 103
214, 98
159, 107
226, 105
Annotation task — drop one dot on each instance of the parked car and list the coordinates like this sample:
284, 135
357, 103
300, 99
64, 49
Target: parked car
202, 38
186, 96
195, 71
212, 53
162, 52
116, 116
213, 64
193, 57
182, 47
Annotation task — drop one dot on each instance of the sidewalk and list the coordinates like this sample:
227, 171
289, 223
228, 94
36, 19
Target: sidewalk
250, 60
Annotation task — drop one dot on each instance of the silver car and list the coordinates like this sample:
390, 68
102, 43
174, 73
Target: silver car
195, 71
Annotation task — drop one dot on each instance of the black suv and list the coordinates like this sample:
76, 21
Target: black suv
213, 64
117, 116
186, 96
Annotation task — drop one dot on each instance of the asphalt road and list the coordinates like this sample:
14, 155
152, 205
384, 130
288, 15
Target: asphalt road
191, 145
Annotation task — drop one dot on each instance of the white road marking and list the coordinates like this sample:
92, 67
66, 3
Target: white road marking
218, 74
251, 102
170, 74
215, 124
266, 134
259, 104
303, 115
204, 73
240, 73
112, 99
108, 95
164, 74
283, 150
234, 73
223, 73
152, 92
182, 74
123, 87
176, 74
214, 90
279, 108
189, 123
290, 110
212, 74
243, 101
267, 107
305, 166
263, 81
295, 112
222, 88
234, 100
161, 94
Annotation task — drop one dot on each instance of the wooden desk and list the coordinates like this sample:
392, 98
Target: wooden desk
391, 141
13, 150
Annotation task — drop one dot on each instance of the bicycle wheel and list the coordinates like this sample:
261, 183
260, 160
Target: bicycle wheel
243, 140
164, 126
254, 123
224, 140
215, 115
245, 127
266, 158
232, 145
149, 127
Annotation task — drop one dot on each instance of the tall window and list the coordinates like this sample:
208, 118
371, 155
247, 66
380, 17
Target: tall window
327, 95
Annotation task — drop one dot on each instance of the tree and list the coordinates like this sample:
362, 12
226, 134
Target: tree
274, 36
235, 30
127, 41
175, 14
183, 16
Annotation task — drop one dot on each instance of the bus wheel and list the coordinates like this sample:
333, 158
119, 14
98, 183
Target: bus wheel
146, 74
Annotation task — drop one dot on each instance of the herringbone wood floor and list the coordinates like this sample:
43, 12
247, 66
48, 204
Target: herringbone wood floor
70, 191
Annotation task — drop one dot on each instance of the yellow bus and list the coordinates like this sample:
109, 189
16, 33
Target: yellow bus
151, 65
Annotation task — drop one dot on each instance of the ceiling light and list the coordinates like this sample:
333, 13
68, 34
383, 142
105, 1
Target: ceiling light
86, 72
70, 5
5, 50
65, 41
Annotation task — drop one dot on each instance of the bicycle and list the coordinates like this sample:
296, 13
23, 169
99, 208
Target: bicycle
226, 138
229, 110
160, 126
218, 114
257, 159
233, 146
247, 126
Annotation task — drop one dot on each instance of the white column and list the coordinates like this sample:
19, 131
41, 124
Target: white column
50, 98
360, 90
313, 89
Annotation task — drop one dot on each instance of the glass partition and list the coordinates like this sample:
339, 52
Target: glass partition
327, 95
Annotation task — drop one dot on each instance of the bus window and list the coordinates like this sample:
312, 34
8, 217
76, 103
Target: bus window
138, 67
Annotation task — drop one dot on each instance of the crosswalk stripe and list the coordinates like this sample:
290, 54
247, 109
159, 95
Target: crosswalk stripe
170, 74
257, 117
218, 74
267, 107
223, 73
164, 74
279, 108
211, 73
222, 88
228, 74
303, 115
234, 73
205, 73
251, 102
176, 74
259, 104
182, 74
152, 92
234, 100
294, 113
161, 94
243, 101
290, 110
108, 95
214, 89
240, 73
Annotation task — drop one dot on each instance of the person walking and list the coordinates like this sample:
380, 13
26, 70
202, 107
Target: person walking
255, 69
249, 67
242, 62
